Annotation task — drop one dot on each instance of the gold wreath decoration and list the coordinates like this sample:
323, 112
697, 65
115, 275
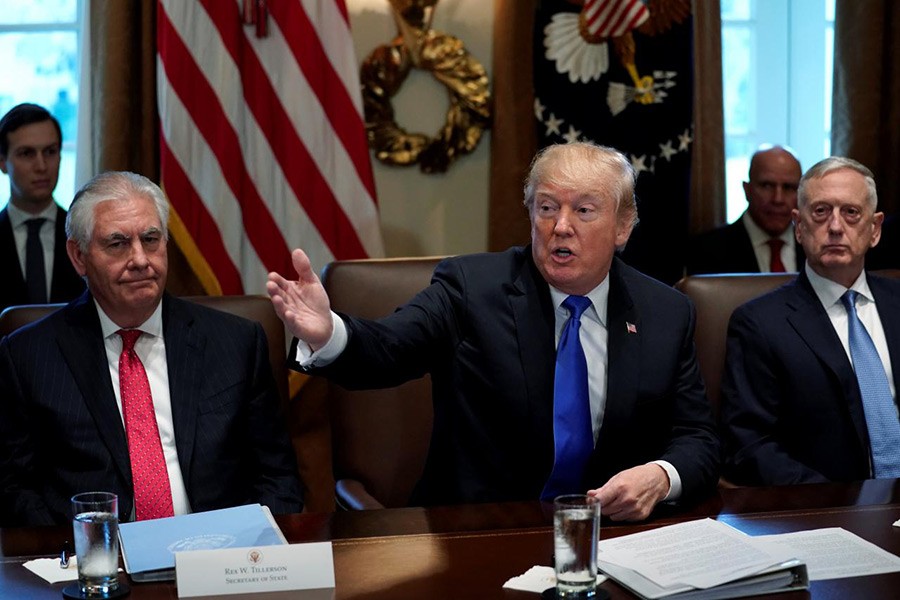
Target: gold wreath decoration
445, 57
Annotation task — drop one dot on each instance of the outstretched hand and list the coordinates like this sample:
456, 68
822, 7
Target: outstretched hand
302, 304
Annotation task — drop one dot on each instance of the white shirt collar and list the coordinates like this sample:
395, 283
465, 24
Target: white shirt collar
152, 326
830, 292
17, 216
599, 299
758, 237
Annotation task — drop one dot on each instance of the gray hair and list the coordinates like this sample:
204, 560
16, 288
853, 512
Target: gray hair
584, 165
836, 163
115, 186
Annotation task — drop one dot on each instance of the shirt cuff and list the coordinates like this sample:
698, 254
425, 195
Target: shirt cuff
674, 479
327, 353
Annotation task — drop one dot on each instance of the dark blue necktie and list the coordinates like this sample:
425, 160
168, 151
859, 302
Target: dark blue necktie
881, 413
572, 435
35, 273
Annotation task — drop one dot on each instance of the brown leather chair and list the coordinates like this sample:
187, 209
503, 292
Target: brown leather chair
379, 437
255, 308
716, 297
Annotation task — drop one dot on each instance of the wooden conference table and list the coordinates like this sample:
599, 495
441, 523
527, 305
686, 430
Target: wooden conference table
468, 552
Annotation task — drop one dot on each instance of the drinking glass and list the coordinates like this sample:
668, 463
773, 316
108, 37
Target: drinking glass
576, 530
95, 524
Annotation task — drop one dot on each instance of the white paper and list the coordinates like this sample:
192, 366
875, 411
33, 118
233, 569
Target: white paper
699, 554
538, 579
834, 552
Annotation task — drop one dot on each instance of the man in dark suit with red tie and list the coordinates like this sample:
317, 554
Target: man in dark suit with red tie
170, 405
34, 268
762, 240
622, 414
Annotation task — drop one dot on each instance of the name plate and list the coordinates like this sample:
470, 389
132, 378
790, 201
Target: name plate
254, 570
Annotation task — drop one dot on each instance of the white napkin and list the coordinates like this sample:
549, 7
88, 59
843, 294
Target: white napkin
897, 523
538, 579
48, 569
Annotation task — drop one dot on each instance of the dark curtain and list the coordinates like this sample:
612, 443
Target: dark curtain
865, 122
513, 142
125, 135
707, 204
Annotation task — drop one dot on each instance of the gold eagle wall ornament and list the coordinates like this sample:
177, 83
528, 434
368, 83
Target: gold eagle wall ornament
444, 56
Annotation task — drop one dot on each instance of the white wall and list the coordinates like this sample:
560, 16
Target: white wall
436, 214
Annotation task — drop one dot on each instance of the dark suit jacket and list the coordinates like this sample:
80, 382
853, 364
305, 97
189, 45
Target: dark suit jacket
728, 249
61, 432
886, 255
791, 407
65, 283
484, 329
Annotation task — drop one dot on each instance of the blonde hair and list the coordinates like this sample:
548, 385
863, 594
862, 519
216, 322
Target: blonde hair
584, 165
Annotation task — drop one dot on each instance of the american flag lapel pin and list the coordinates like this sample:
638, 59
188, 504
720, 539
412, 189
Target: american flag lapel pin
630, 327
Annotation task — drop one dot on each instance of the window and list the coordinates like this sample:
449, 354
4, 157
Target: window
39, 43
777, 59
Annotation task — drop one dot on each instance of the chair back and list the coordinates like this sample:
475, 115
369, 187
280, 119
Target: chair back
716, 297
14, 317
255, 308
380, 438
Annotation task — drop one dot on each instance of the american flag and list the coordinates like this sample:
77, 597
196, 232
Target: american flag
262, 144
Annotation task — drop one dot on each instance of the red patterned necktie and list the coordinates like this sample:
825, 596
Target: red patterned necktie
152, 493
775, 264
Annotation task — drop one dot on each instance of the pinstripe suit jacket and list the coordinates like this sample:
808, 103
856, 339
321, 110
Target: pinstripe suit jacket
61, 432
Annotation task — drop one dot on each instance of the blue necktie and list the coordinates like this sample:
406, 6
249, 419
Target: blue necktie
35, 273
881, 414
572, 435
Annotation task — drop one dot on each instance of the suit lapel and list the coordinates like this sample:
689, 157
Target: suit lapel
15, 290
888, 302
62, 268
535, 336
812, 324
800, 256
184, 355
623, 350
85, 353
745, 256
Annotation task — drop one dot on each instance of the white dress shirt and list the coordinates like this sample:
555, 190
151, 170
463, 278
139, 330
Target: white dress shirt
762, 250
151, 349
830, 293
17, 218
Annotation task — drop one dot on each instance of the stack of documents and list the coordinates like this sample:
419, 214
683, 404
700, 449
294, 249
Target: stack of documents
149, 547
700, 560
